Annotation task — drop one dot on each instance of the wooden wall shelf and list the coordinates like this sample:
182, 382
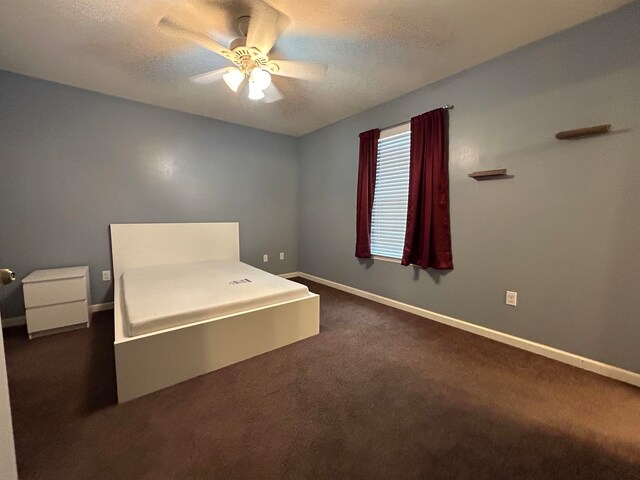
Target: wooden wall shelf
584, 132
486, 174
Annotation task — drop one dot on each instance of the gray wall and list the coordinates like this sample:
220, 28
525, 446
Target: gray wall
564, 232
73, 161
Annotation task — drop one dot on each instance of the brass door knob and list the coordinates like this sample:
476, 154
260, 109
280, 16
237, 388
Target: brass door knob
7, 276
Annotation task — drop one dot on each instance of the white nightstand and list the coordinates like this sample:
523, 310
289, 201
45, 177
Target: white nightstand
56, 300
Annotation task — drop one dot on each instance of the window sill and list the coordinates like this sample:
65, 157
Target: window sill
386, 259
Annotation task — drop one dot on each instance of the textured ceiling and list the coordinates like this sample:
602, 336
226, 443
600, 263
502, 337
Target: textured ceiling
376, 50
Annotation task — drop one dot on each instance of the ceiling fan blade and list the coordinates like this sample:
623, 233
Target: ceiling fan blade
210, 77
265, 26
272, 94
173, 28
301, 70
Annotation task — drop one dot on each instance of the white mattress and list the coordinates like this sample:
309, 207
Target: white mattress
160, 297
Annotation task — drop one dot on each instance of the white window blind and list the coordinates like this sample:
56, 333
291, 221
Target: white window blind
389, 217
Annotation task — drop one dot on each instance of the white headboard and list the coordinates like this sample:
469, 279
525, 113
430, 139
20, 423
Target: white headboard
136, 245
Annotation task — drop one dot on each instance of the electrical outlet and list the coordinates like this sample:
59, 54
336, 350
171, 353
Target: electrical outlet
106, 275
265, 258
511, 298
281, 255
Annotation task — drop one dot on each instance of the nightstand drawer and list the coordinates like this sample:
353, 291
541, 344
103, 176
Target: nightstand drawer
56, 316
39, 294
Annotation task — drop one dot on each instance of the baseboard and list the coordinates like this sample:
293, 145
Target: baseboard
290, 275
584, 363
100, 307
22, 320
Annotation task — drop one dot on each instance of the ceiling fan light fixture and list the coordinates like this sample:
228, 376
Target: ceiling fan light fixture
255, 92
233, 79
261, 78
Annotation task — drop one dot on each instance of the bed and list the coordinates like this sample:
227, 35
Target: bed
185, 305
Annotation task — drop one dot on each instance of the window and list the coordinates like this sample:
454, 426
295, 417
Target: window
389, 216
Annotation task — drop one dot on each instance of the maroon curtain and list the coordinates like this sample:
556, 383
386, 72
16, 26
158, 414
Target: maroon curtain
428, 235
366, 187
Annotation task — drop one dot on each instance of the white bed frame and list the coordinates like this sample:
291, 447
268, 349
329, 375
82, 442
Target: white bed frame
147, 363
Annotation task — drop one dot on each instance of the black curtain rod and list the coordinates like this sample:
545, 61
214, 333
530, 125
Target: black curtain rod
446, 107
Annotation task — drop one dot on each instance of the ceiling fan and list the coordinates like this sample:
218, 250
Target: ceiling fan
252, 68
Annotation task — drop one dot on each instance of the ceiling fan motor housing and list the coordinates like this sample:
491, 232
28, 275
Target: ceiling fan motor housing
248, 58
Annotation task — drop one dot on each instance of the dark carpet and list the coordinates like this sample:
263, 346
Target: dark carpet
379, 394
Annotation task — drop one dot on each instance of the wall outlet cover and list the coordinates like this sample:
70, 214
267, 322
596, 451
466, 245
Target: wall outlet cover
265, 258
511, 298
106, 275
281, 255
